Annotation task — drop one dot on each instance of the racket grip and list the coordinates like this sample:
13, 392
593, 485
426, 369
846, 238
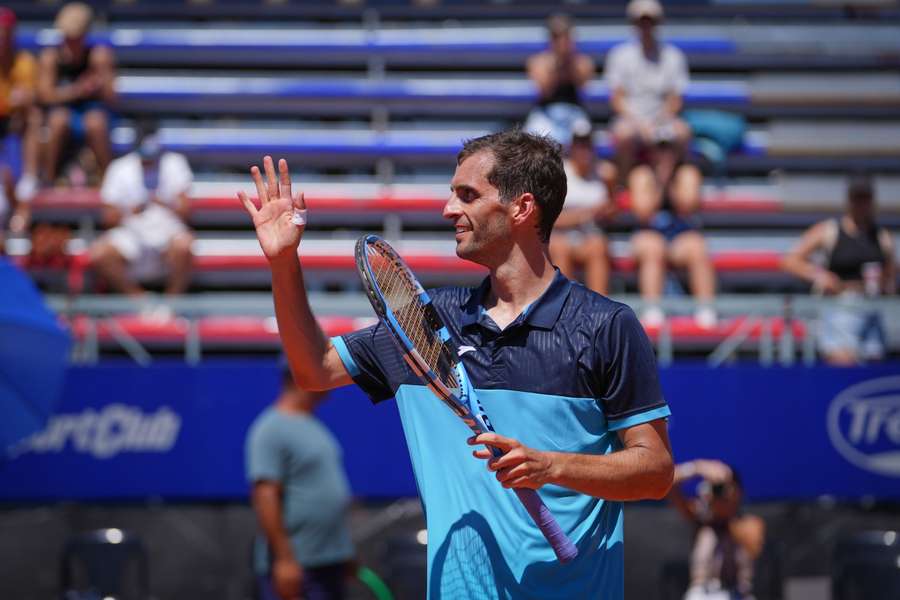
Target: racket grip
563, 547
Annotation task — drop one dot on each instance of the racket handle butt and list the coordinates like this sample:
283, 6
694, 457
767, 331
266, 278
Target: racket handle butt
563, 547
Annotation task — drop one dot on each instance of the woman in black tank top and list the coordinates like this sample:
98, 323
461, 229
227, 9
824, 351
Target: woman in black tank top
859, 264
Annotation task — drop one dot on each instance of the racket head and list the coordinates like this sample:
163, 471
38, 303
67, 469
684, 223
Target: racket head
405, 308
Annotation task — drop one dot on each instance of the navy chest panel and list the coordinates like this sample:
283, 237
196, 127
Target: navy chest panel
527, 359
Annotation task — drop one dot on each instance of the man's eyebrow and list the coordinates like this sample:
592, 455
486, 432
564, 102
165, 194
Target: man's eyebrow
462, 187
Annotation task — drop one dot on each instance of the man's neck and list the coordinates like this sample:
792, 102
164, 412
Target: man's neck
650, 47
518, 282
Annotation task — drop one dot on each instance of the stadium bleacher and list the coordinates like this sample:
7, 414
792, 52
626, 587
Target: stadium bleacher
371, 111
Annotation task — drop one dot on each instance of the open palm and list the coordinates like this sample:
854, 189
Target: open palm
278, 235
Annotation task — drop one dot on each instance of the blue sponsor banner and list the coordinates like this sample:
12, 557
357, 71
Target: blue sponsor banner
174, 431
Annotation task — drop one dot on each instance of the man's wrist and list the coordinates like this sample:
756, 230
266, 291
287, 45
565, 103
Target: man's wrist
285, 263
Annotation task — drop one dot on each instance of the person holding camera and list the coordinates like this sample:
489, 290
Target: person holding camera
727, 541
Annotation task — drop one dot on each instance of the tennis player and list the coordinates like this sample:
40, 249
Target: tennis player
567, 377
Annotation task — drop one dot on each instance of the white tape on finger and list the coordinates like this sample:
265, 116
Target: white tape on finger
298, 217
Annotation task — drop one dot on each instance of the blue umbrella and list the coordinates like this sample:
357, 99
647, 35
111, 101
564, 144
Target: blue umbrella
33, 353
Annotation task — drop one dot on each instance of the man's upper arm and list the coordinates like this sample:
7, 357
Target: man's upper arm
367, 357
651, 435
626, 373
335, 368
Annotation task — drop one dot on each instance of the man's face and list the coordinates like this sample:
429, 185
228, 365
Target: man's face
482, 221
646, 28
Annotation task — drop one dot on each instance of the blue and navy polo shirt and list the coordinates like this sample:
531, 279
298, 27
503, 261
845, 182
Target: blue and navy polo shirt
571, 371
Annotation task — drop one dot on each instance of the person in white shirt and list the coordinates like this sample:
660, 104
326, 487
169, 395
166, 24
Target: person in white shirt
646, 79
146, 205
578, 241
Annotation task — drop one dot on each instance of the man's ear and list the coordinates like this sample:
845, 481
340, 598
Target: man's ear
524, 208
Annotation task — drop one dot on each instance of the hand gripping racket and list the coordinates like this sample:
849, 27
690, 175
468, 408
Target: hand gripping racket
406, 310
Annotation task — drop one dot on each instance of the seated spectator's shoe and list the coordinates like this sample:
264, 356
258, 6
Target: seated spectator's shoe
653, 316
705, 316
26, 187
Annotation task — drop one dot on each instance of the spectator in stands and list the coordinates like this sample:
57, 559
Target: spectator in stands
578, 240
559, 73
858, 264
301, 498
727, 541
77, 85
646, 79
669, 234
20, 123
145, 202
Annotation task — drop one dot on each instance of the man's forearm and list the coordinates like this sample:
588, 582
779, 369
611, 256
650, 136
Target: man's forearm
631, 474
267, 505
304, 341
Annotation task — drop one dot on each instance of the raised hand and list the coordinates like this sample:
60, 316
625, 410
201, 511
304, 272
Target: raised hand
278, 235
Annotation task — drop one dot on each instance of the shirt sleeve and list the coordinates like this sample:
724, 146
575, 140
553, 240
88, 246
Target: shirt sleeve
612, 72
679, 75
627, 369
263, 455
176, 178
114, 190
372, 359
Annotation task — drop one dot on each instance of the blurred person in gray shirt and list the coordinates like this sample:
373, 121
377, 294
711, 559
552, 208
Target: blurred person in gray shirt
301, 498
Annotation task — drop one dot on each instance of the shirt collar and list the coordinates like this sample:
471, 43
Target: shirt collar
542, 313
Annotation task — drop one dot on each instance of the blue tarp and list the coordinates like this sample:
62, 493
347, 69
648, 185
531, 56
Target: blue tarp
33, 353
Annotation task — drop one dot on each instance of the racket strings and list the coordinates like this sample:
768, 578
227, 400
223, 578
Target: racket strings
402, 297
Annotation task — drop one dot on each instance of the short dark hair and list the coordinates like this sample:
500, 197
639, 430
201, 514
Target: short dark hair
524, 163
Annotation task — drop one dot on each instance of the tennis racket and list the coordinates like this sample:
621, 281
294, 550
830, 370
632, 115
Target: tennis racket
406, 310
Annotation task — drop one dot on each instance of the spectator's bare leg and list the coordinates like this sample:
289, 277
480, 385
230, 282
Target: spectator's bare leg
685, 191
107, 261
57, 132
688, 251
649, 249
31, 141
178, 260
644, 192
96, 133
594, 255
627, 141
561, 254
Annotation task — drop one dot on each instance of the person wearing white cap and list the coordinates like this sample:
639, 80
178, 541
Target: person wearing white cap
76, 84
646, 78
